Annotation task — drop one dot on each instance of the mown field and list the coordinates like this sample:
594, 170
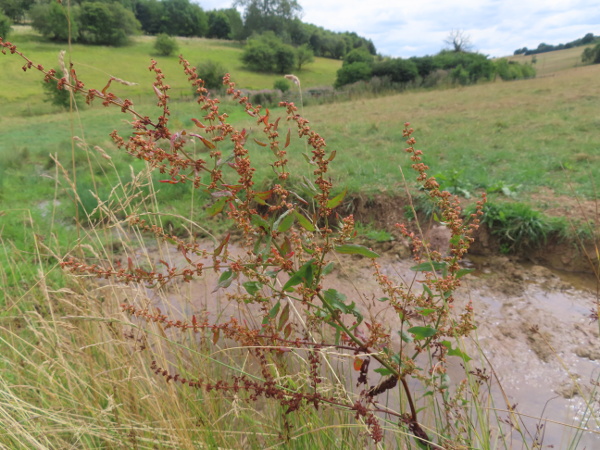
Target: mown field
74, 374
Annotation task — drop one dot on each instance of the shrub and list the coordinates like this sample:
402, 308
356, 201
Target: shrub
212, 73
358, 55
304, 55
282, 85
351, 73
398, 70
5, 25
59, 97
591, 55
290, 246
267, 53
266, 97
165, 45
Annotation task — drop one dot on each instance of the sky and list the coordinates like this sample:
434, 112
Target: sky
402, 28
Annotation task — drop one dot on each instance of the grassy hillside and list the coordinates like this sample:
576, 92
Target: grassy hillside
96, 64
550, 62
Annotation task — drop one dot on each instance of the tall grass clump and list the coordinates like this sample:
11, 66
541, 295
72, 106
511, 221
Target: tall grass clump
284, 357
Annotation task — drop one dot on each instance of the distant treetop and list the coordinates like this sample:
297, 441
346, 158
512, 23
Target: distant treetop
543, 47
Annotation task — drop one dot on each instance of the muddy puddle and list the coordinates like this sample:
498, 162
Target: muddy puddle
534, 330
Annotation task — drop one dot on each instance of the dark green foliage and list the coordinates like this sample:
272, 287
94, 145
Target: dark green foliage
511, 70
591, 55
218, 25
267, 53
304, 55
15, 9
358, 55
60, 97
106, 23
182, 18
269, 15
212, 73
282, 84
165, 45
425, 65
398, 70
236, 23
50, 19
5, 25
516, 225
351, 73
266, 97
589, 38
150, 15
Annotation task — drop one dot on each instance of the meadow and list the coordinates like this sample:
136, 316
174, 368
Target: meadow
76, 370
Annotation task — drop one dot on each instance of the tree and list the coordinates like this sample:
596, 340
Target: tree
150, 14
351, 73
182, 18
358, 55
5, 25
459, 41
268, 15
591, 55
236, 24
15, 9
304, 55
398, 70
267, 53
106, 23
50, 19
218, 25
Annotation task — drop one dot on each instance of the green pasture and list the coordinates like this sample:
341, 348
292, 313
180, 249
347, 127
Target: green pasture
96, 65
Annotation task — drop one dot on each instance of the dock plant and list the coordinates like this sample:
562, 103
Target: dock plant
291, 243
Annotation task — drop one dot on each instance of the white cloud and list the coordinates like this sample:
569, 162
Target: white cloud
415, 28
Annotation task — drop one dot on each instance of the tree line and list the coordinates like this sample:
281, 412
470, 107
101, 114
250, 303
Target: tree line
111, 22
543, 47
454, 66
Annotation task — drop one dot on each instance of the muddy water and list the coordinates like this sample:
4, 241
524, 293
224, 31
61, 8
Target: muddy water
534, 329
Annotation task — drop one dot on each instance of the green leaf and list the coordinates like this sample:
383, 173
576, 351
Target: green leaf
336, 300
383, 299
383, 371
304, 222
272, 313
405, 337
422, 332
328, 268
252, 287
217, 207
283, 318
285, 221
456, 351
462, 272
303, 275
335, 201
225, 279
260, 222
425, 311
355, 249
429, 265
